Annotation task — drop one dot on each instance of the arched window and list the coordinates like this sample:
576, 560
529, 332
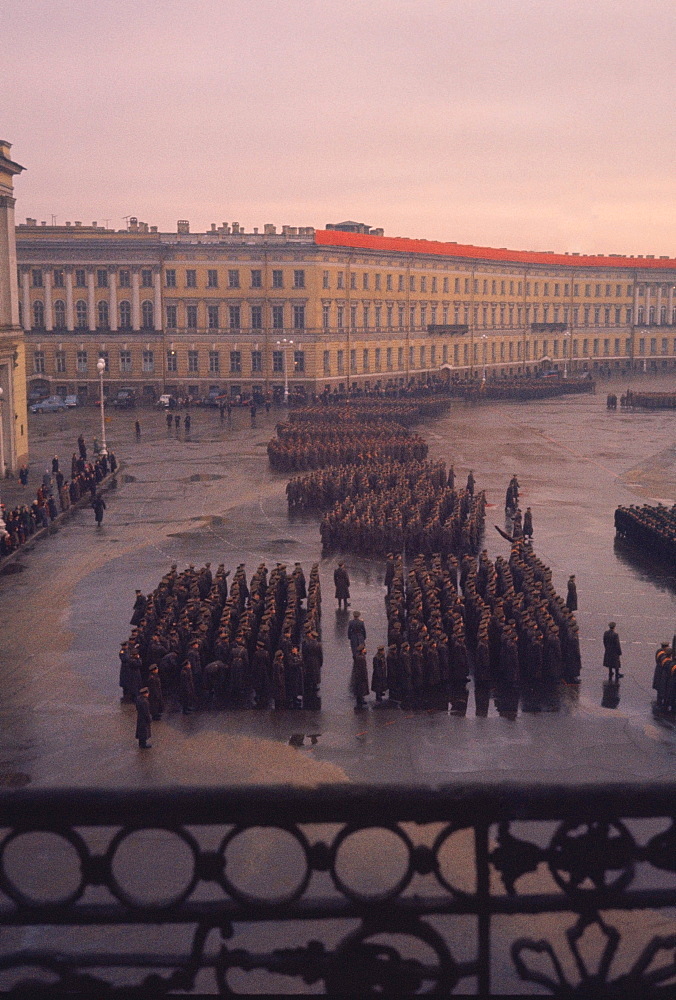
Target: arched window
125, 315
81, 314
59, 315
147, 315
102, 309
38, 315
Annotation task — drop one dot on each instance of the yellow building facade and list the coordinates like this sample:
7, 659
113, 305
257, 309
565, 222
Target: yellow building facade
322, 310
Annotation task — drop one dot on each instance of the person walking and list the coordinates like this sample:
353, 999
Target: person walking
99, 505
137, 428
186, 424
169, 419
359, 682
143, 719
571, 596
613, 652
177, 422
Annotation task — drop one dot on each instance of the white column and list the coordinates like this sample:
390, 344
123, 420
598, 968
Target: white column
112, 305
157, 280
135, 301
25, 288
658, 305
635, 303
670, 306
70, 325
49, 324
646, 308
91, 301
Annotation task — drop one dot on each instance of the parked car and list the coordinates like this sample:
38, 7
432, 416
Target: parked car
51, 405
70, 401
125, 399
166, 401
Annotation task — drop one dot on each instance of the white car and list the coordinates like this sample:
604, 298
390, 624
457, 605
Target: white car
70, 401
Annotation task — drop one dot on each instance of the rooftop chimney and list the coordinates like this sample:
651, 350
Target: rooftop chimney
183, 226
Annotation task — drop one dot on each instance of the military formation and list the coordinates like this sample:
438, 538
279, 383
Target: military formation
54, 495
651, 528
322, 445
503, 621
648, 400
204, 645
664, 679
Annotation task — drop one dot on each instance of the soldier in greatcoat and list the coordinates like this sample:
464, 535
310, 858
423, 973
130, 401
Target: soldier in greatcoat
143, 719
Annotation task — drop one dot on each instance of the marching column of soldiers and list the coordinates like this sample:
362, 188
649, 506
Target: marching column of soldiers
648, 400
252, 646
653, 528
295, 449
505, 619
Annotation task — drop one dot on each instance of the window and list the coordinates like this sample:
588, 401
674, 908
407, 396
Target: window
146, 315
81, 361
388, 358
60, 358
125, 362
278, 279
353, 317
326, 318
412, 317
38, 315
378, 282
171, 316
411, 357
379, 312
433, 355
423, 360
102, 278
37, 278
60, 315
389, 317
587, 291
401, 317
80, 277
191, 317
39, 362
257, 279
400, 283
193, 362
299, 317
102, 315
353, 281
170, 277
434, 284
148, 361
59, 279
630, 290
365, 311
388, 283
81, 314
212, 317
256, 361
278, 317
598, 289
353, 360
125, 279
278, 361
233, 279
325, 280
341, 279
365, 359
146, 278
234, 317
299, 279
256, 317
340, 362
327, 362
400, 357
191, 278
214, 362
365, 281
299, 361
172, 361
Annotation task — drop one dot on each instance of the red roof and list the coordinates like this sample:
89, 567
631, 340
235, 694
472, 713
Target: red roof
400, 244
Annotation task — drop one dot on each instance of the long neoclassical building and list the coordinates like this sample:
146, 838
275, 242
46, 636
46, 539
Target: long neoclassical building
188, 312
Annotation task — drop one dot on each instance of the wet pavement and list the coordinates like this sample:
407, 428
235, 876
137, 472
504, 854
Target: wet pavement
67, 607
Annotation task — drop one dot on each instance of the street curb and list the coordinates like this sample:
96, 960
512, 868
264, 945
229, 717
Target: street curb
60, 519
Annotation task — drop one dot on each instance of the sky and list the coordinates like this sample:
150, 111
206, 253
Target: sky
527, 124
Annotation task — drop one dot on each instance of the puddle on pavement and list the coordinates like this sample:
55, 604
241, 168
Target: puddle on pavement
202, 477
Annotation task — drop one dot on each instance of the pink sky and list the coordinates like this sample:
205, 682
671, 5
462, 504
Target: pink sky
543, 125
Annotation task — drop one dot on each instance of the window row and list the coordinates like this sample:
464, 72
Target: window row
81, 315
367, 280
231, 317
195, 362
234, 280
101, 276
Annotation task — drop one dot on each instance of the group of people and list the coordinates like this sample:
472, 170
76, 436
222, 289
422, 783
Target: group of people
55, 495
208, 646
664, 678
503, 621
652, 528
524, 388
297, 448
648, 400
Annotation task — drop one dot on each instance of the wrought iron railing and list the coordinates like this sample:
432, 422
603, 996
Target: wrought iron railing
348, 890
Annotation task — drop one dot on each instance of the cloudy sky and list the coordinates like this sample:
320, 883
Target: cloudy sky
530, 124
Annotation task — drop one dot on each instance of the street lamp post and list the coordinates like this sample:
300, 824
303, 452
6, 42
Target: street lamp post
284, 343
3, 527
484, 352
101, 367
566, 353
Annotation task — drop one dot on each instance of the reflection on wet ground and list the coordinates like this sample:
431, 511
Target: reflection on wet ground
214, 498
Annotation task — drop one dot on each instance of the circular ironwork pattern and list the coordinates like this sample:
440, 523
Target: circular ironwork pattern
135, 903
396, 889
24, 899
586, 850
243, 897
